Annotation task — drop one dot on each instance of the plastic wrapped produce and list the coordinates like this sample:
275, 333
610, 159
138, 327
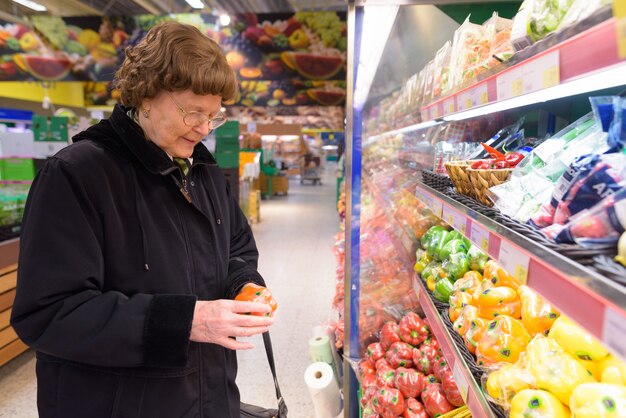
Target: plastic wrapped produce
537, 403
410, 382
469, 48
538, 316
576, 340
388, 402
503, 383
414, 409
441, 71
498, 300
502, 341
598, 400
435, 401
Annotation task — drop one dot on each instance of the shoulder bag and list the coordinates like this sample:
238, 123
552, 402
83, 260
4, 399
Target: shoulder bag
253, 411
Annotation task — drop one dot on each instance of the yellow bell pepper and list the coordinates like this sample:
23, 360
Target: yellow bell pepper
612, 370
592, 367
458, 299
554, 369
430, 283
537, 315
503, 384
599, 400
497, 301
531, 403
576, 340
502, 341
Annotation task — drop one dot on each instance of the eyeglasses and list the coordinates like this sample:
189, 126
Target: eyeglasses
193, 119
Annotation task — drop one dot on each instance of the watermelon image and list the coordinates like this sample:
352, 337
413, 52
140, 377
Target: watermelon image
43, 67
327, 97
313, 66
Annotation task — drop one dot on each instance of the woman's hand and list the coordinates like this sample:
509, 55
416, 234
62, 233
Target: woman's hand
216, 321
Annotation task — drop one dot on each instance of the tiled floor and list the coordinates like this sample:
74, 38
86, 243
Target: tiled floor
295, 238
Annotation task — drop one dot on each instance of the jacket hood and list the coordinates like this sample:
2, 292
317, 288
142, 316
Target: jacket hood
120, 134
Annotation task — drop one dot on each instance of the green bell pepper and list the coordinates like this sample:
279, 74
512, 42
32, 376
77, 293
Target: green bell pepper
452, 247
456, 266
443, 290
425, 239
436, 241
477, 259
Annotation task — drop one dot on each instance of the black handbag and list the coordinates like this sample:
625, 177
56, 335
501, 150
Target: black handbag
253, 411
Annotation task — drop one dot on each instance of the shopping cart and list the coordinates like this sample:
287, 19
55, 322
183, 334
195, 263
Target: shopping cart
310, 169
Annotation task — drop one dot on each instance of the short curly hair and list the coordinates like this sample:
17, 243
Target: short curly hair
174, 57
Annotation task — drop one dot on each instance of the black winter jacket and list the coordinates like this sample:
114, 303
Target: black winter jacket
116, 248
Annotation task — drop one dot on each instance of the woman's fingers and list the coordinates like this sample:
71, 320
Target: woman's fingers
250, 307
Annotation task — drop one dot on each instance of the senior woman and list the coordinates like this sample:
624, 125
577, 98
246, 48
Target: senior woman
133, 249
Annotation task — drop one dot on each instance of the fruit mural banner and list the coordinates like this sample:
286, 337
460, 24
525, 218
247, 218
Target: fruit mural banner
281, 59
329, 118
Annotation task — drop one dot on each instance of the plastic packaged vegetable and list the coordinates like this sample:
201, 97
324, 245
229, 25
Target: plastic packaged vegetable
477, 258
441, 71
538, 316
576, 340
537, 403
467, 52
506, 381
554, 369
456, 266
499, 300
502, 341
598, 400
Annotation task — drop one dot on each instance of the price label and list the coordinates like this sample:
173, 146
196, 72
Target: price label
480, 236
468, 103
619, 11
517, 87
551, 77
437, 207
614, 331
455, 219
448, 105
484, 97
514, 261
461, 381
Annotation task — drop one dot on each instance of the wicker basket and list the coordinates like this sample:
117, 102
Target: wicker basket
457, 170
482, 180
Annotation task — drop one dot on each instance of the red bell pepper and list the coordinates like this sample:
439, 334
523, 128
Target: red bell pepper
368, 380
414, 409
410, 382
435, 401
421, 360
453, 395
382, 364
388, 402
366, 367
368, 394
500, 165
413, 330
385, 377
389, 334
374, 352
440, 367
400, 354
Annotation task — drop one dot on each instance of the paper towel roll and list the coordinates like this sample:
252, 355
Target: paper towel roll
324, 390
320, 349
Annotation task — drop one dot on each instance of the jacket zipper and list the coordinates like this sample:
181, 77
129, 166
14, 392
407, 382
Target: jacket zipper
185, 191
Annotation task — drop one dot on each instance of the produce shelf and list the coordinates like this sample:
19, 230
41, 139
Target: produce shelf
472, 394
470, 391
595, 302
590, 51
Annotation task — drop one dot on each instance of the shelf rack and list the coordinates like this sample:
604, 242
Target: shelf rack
595, 302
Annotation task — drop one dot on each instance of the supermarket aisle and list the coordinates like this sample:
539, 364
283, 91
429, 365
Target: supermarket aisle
294, 239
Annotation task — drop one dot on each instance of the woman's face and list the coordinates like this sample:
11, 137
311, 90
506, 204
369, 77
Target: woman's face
165, 126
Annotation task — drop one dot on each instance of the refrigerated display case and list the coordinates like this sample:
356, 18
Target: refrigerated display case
395, 139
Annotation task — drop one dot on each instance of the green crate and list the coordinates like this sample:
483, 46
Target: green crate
230, 128
17, 169
227, 159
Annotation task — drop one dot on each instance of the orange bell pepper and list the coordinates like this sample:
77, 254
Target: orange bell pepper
474, 333
252, 292
498, 276
468, 282
502, 341
537, 315
464, 321
496, 301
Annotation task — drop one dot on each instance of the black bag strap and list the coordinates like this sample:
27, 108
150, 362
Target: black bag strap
282, 407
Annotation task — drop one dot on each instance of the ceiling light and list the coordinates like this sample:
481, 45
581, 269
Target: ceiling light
596, 81
196, 4
224, 20
32, 5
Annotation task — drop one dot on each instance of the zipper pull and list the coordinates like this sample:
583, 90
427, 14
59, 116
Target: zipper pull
184, 192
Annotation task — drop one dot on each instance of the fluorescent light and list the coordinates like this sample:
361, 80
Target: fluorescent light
224, 20
32, 5
196, 4
416, 127
596, 81
377, 24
